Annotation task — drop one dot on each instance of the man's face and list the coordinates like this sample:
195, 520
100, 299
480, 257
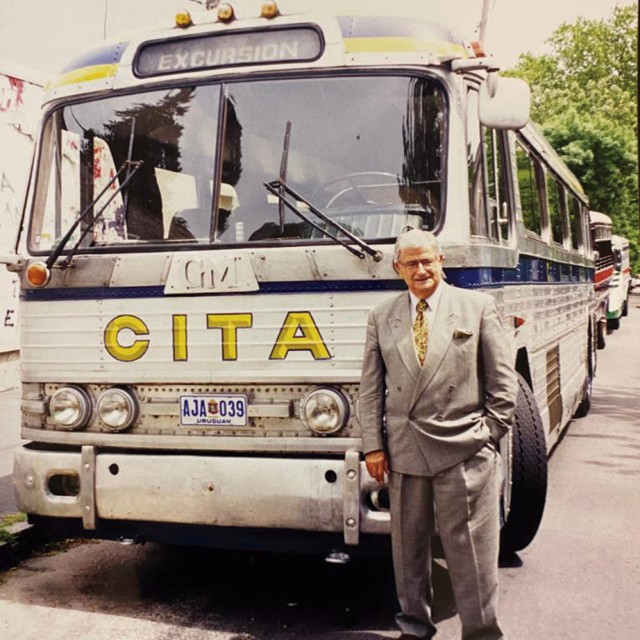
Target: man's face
421, 269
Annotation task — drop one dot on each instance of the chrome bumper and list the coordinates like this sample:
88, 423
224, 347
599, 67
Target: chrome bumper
324, 495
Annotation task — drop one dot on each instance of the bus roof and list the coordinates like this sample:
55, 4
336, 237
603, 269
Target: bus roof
619, 242
346, 36
600, 218
542, 146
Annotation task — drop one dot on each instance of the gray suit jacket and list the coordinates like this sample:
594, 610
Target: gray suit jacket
432, 417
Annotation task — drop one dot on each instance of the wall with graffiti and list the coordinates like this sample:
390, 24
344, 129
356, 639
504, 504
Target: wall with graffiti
20, 101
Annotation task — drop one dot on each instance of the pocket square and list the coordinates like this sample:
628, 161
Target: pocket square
462, 333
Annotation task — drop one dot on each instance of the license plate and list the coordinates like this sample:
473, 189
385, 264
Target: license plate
205, 410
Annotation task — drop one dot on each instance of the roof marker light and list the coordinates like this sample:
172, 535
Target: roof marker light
270, 9
226, 13
183, 19
478, 49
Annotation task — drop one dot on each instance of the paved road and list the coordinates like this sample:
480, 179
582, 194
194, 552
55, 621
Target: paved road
578, 579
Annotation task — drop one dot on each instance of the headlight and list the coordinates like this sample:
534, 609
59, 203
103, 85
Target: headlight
324, 410
70, 407
117, 408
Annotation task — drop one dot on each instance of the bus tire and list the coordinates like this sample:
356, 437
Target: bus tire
613, 324
625, 307
585, 403
601, 342
528, 474
587, 390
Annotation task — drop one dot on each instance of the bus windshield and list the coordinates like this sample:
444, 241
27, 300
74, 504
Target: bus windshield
366, 151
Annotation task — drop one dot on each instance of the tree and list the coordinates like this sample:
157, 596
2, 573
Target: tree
584, 96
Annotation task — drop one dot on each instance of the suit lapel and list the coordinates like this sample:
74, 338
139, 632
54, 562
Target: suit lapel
399, 321
439, 340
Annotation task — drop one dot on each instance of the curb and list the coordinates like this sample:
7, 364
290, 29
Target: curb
26, 539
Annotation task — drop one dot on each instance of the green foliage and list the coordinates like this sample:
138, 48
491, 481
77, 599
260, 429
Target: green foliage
6, 524
584, 96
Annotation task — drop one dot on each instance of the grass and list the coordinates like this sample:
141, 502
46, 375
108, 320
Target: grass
6, 522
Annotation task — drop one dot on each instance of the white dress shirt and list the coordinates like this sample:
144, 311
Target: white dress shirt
431, 311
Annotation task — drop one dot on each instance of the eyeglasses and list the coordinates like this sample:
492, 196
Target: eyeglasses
426, 263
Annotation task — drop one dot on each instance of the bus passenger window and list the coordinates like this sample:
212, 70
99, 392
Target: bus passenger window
476, 169
575, 221
528, 181
555, 209
498, 199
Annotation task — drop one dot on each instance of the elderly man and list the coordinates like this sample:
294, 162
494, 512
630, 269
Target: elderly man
438, 391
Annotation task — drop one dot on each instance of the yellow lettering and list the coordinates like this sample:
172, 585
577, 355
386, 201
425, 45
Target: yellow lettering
179, 338
112, 342
229, 323
299, 333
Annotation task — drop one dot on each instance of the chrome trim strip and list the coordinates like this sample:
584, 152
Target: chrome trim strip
194, 442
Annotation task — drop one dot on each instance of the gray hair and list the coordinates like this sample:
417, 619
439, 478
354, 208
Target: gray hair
415, 238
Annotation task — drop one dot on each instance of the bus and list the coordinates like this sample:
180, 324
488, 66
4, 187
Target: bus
618, 306
601, 229
211, 217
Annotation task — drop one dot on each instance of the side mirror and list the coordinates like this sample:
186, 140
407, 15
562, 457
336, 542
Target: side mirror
504, 103
12, 261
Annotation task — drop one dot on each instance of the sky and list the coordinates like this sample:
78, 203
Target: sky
42, 34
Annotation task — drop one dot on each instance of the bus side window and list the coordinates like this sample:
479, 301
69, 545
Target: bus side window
528, 182
555, 208
576, 226
476, 169
587, 240
498, 195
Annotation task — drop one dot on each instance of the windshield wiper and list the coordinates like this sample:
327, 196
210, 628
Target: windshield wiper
125, 203
281, 190
283, 173
131, 168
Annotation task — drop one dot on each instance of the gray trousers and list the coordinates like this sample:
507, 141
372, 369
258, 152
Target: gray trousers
465, 502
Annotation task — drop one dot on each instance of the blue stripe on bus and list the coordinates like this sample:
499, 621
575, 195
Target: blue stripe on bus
530, 272
109, 54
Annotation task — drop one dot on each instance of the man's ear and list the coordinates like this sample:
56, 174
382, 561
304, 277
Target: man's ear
395, 267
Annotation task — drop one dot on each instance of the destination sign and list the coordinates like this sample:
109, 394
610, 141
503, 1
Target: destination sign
228, 49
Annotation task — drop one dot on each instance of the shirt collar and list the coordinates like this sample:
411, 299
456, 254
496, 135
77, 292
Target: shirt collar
432, 301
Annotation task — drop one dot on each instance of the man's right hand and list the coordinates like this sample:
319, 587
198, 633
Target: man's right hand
377, 464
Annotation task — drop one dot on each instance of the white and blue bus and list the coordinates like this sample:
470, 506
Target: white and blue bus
212, 215
618, 306
601, 231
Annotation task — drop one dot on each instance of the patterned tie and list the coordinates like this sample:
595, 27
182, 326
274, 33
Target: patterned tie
421, 331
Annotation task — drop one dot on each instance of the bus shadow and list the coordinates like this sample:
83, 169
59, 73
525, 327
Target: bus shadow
286, 596
613, 423
616, 402
254, 596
